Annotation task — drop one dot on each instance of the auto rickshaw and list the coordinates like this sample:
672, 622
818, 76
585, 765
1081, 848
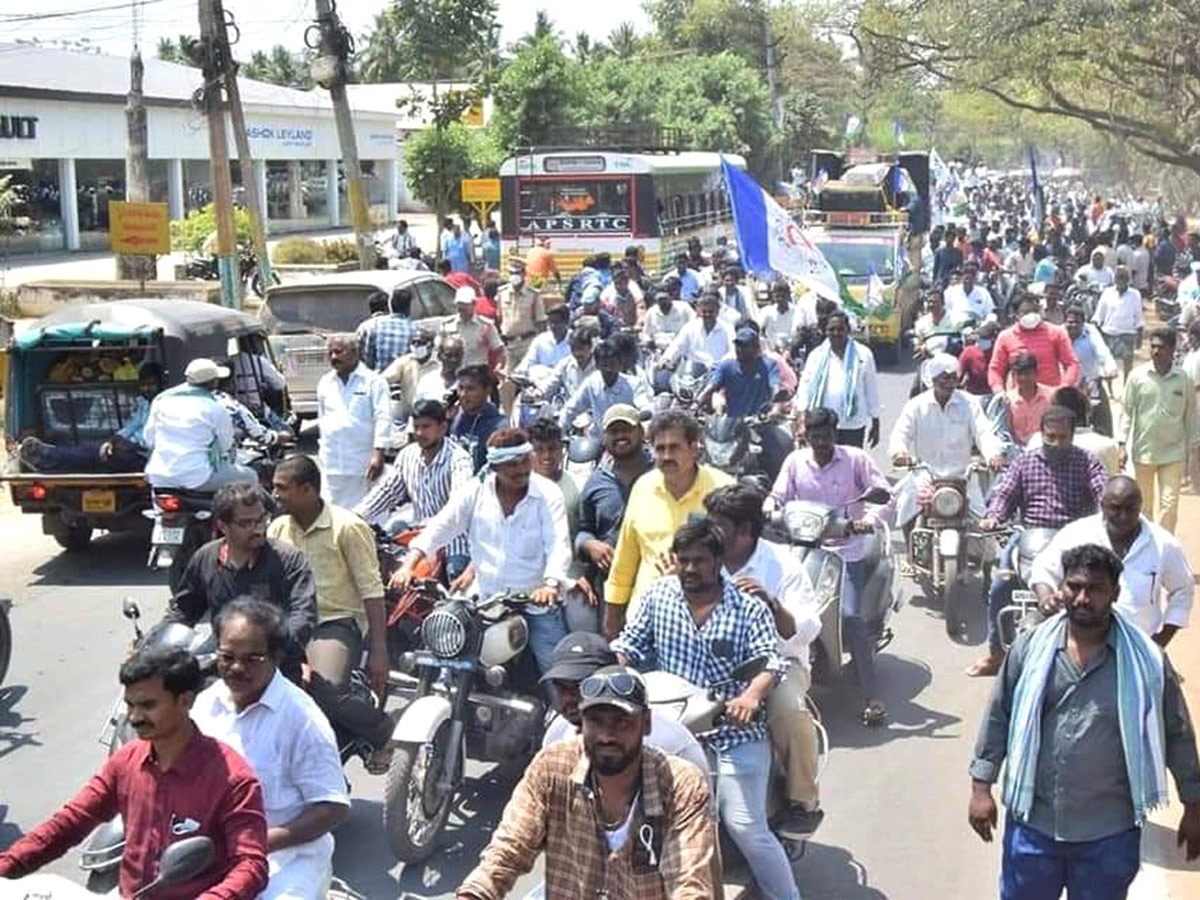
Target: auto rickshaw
73, 379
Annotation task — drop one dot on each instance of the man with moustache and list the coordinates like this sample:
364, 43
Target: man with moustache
616, 818
1085, 717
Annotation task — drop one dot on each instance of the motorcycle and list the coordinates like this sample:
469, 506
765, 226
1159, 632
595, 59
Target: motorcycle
406, 610
181, 861
805, 525
475, 692
734, 445
945, 547
584, 448
207, 268
687, 381
102, 851
1022, 611
1166, 297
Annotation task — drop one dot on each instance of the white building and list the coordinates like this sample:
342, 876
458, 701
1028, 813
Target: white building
63, 142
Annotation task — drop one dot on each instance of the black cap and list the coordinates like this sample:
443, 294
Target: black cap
577, 656
608, 693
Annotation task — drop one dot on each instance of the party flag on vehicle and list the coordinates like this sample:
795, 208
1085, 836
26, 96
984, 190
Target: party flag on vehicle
770, 240
874, 295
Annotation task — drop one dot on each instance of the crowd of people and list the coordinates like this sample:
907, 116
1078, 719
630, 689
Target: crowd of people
658, 560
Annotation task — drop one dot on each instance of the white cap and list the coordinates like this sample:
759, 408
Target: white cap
202, 371
941, 364
464, 295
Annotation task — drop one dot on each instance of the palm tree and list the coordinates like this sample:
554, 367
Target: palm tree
379, 58
180, 51
583, 48
543, 27
624, 40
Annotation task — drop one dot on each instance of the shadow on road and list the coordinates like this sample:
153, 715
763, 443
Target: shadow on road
11, 737
831, 873
10, 832
364, 863
921, 596
111, 560
903, 680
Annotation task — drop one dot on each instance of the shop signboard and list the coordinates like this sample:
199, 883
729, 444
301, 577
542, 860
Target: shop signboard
139, 229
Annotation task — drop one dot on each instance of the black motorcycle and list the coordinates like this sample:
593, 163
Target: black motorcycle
207, 268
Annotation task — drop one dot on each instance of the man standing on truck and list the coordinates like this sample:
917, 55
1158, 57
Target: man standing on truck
125, 451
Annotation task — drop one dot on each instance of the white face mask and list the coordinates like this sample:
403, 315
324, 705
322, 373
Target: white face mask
516, 280
422, 351
985, 344
1031, 320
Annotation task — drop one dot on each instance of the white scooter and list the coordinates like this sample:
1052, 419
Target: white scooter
181, 861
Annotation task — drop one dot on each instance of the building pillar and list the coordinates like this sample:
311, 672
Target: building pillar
260, 182
332, 201
296, 208
391, 189
68, 202
176, 208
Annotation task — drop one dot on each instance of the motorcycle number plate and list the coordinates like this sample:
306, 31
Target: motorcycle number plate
948, 542
98, 501
162, 535
1024, 597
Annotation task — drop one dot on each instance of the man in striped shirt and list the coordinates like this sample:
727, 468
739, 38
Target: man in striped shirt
425, 474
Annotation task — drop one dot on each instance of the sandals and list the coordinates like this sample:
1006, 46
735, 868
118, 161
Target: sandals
906, 569
874, 714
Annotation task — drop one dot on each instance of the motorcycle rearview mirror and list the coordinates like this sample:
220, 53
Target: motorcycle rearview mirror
130, 609
180, 862
750, 669
876, 496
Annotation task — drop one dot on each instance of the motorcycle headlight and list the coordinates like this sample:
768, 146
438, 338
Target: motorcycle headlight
720, 454
947, 503
446, 630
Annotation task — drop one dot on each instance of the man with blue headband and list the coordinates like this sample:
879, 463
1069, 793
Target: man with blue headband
515, 523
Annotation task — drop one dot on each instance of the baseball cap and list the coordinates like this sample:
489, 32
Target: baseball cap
745, 336
577, 656
622, 412
465, 295
202, 371
618, 686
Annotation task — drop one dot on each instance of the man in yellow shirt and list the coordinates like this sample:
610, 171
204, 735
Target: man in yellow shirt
340, 549
659, 503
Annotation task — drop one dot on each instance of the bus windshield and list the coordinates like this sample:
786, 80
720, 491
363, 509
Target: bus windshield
857, 259
593, 204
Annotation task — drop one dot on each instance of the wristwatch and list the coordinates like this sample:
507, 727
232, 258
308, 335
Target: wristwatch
552, 583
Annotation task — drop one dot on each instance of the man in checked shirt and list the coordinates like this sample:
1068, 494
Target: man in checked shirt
702, 628
425, 474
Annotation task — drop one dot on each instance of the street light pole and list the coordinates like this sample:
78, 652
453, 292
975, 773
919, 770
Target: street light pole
214, 52
329, 70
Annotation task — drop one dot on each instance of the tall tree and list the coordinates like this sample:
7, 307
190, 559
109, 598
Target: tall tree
543, 28
182, 50
379, 58
279, 66
539, 93
624, 41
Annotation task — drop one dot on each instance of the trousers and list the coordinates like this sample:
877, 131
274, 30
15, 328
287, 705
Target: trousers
794, 736
1037, 867
743, 773
1001, 590
335, 649
1160, 482
85, 457
857, 632
545, 631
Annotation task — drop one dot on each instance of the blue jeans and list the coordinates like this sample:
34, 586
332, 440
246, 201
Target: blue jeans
1001, 591
857, 633
85, 457
1037, 867
743, 772
545, 631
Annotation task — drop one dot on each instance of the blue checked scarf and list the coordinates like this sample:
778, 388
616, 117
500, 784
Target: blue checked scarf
1139, 702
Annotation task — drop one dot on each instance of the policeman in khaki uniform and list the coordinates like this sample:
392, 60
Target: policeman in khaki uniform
522, 317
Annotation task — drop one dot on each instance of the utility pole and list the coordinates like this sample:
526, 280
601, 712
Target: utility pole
214, 62
254, 191
329, 71
137, 169
777, 111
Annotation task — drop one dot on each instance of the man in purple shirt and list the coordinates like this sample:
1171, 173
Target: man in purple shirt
1050, 486
837, 475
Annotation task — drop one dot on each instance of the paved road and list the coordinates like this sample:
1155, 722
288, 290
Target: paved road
895, 797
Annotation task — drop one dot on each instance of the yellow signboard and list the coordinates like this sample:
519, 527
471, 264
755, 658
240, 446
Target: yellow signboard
472, 116
481, 190
139, 229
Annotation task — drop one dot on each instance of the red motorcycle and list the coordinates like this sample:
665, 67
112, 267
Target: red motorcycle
406, 609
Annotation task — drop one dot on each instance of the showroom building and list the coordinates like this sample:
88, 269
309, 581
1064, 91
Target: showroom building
63, 143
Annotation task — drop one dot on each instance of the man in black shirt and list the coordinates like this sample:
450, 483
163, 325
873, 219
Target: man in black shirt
246, 563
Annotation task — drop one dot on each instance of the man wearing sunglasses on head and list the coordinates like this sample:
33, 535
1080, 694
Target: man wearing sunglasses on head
616, 818
701, 627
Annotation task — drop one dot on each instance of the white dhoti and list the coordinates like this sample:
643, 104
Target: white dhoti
345, 491
300, 873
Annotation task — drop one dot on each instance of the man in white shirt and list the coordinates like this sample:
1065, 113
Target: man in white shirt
782, 320
278, 729
840, 375
190, 434
1157, 586
576, 657
705, 339
771, 573
438, 382
736, 296
604, 388
549, 348
1096, 272
1021, 262
1120, 319
665, 319
1139, 264
939, 429
354, 414
968, 299
569, 373
515, 523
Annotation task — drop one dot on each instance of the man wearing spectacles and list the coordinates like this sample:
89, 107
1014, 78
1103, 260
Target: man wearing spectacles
245, 562
644, 829
279, 730
699, 626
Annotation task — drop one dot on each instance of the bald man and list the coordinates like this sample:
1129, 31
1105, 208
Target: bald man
354, 414
1156, 584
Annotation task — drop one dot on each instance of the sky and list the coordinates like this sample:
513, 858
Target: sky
264, 23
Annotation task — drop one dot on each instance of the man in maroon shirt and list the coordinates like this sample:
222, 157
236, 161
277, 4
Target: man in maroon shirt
173, 782
975, 357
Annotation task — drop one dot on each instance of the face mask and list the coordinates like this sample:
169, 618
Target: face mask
515, 280
1031, 320
422, 351
985, 344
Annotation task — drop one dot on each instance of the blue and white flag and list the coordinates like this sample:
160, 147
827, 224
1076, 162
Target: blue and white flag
874, 295
770, 240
